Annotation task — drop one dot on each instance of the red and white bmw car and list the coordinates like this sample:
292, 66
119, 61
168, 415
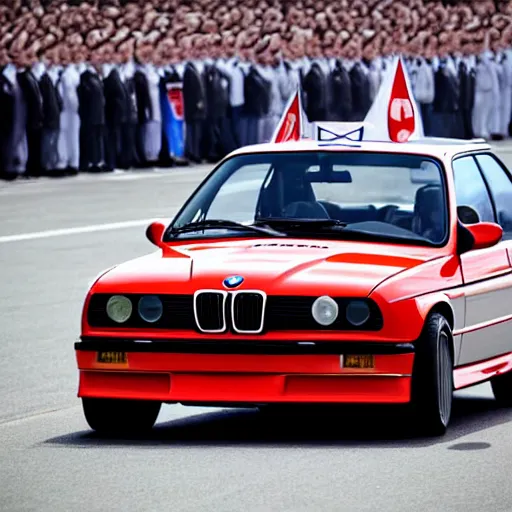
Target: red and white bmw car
312, 272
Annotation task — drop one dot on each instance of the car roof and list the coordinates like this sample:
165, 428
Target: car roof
431, 146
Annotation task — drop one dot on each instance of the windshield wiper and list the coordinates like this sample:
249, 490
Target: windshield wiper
329, 227
225, 224
300, 224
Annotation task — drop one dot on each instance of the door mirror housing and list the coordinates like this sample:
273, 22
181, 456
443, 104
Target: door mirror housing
155, 232
478, 236
467, 215
486, 234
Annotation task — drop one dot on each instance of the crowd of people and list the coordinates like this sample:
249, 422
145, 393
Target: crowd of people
84, 86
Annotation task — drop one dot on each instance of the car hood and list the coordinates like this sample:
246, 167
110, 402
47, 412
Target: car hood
294, 267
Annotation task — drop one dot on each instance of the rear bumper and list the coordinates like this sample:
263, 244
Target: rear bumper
258, 373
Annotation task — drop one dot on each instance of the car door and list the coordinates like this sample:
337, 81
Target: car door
482, 182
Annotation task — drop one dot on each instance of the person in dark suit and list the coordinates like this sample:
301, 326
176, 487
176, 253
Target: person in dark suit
361, 98
194, 98
34, 101
315, 88
466, 97
16, 154
144, 112
340, 108
116, 116
52, 107
129, 128
7, 107
257, 94
447, 119
218, 140
92, 118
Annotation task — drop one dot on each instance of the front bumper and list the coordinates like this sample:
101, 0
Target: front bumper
244, 372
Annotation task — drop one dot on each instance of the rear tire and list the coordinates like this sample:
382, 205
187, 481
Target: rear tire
502, 389
432, 380
113, 416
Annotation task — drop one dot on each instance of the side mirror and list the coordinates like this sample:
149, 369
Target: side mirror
478, 236
155, 232
467, 215
486, 234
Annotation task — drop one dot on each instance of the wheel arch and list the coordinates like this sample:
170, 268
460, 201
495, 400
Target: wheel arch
441, 304
445, 309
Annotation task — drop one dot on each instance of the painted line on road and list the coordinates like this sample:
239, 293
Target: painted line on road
75, 231
170, 413
8, 421
133, 177
115, 176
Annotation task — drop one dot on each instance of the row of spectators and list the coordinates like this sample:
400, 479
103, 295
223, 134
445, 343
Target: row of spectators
85, 87
61, 118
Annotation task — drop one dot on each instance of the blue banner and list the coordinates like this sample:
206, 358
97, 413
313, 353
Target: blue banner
171, 99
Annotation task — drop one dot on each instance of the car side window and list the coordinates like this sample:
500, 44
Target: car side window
470, 188
501, 190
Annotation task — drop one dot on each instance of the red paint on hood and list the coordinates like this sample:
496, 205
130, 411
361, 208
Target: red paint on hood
292, 268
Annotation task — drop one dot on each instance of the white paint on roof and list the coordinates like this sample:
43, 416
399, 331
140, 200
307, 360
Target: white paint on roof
431, 146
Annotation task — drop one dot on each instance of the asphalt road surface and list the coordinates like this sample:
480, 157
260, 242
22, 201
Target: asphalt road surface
55, 236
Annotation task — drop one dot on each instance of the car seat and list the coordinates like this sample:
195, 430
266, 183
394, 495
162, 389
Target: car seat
290, 196
428, 217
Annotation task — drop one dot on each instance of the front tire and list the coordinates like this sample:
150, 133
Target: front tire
113, 416
432, 380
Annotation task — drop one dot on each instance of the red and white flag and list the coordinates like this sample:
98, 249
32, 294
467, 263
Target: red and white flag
290, 125
394, 114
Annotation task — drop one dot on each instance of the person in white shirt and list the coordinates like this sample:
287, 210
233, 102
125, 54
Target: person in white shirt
287, 79
69, 134
236, 69
506, 93
486, 87
423, 86
153, 127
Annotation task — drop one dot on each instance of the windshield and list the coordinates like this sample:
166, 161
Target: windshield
324, 194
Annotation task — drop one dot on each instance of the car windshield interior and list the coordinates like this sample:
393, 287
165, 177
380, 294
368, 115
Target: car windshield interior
325, 194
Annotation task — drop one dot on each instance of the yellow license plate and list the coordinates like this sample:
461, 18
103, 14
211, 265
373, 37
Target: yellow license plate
363, 361
112, 357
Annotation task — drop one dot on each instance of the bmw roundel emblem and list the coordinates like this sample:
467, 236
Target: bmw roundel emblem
233, 281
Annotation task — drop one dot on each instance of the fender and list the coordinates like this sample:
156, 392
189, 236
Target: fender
453, 309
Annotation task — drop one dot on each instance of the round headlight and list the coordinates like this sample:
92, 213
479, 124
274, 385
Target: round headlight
150, 308
357, 312
325, 310
119, 308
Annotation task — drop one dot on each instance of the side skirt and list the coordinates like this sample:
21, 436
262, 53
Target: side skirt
477, 373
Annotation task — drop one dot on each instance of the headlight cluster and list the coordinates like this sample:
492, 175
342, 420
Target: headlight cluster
325, 311
120, 308
176, 312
